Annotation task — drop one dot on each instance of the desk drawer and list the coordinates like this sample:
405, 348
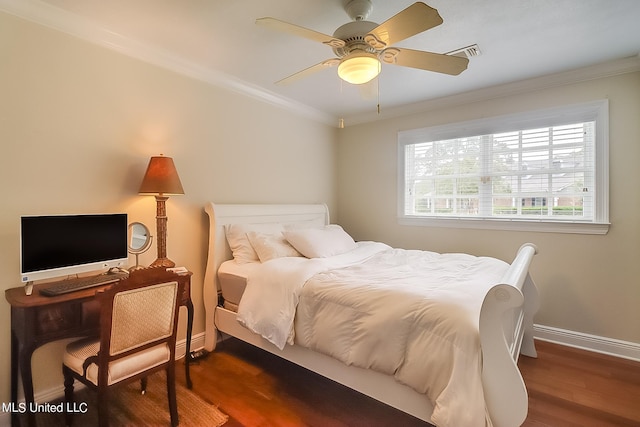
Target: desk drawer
68, 316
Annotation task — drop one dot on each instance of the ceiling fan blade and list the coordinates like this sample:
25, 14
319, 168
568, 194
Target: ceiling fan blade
285, 27
447, 64
308, 71
413, 20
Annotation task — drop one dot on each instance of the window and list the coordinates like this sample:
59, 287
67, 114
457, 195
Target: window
542, 171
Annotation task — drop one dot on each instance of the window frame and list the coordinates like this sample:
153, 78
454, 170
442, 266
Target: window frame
597, 111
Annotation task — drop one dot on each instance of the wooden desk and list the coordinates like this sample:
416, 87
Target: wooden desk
37, 320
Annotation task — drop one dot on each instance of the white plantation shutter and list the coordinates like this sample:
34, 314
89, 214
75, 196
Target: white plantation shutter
524, 171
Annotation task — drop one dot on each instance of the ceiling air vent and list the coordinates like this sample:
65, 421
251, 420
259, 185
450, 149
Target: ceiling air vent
466, 52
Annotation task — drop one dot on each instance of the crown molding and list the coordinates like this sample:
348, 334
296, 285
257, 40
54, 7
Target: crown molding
50, 16
602, 70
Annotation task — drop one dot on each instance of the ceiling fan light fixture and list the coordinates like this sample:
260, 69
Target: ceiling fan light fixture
359, 68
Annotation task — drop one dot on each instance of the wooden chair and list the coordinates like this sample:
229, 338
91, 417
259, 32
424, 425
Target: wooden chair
138, 323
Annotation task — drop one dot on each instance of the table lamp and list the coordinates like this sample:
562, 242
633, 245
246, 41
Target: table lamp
161, 180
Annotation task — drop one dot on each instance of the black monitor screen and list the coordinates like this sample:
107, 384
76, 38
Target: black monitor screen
50, 242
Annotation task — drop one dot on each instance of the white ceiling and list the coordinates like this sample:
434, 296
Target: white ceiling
518, 39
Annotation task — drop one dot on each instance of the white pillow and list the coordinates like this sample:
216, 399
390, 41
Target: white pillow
240, 246
271, 245
320, 242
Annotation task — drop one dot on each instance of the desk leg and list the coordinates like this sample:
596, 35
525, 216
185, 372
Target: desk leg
187, 356
14, 379
27, 382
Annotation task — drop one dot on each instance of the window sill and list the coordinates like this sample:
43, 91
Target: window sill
508, 224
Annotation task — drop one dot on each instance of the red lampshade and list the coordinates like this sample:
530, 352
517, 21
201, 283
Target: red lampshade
161, 177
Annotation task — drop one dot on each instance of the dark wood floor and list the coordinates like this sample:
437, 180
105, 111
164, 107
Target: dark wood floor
571, 387
567, 387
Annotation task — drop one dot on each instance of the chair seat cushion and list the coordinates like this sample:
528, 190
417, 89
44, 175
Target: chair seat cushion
78, 351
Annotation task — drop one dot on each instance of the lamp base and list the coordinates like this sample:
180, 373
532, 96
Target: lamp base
163, 262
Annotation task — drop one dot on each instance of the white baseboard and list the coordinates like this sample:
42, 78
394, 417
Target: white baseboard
197, 342
610, 346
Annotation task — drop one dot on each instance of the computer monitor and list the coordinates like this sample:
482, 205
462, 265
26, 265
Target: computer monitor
53, 246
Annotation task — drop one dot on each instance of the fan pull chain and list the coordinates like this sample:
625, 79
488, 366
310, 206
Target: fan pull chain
341, 119
378, 93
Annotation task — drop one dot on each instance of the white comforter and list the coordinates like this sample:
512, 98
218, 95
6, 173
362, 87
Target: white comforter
410, 314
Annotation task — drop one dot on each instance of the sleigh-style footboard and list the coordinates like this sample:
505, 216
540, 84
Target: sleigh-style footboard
506, 330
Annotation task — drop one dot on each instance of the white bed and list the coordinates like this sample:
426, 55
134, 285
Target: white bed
504, 323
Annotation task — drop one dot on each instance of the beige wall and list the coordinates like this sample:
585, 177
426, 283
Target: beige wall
589, 284
77, 126
79, 122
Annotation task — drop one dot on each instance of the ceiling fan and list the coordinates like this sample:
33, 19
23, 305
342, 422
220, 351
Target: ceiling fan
361, 45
